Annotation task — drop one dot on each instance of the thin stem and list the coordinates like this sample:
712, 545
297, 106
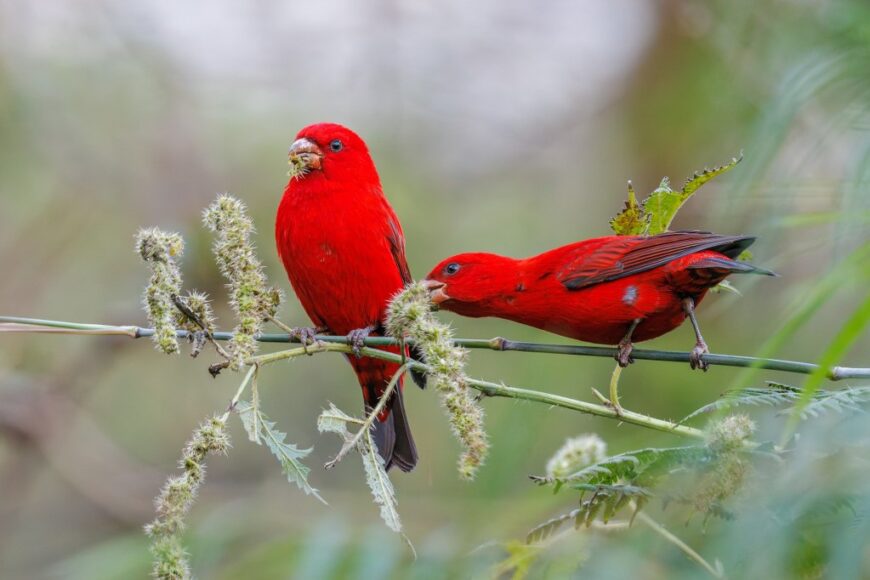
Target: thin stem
382, 402
686, 549
497, 390
252, 372
18, 324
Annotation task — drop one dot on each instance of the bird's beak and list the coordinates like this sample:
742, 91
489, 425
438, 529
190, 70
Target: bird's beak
436, 290
303, 157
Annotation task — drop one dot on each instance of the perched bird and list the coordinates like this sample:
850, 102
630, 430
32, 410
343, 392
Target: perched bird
344, 251
610, 290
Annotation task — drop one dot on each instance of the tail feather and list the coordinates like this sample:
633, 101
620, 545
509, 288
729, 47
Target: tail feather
393, 437
730, 266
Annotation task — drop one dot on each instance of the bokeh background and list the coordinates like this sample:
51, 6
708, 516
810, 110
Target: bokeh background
509, 127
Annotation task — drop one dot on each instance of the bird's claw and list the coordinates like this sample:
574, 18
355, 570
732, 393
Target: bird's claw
356, 339
306, 335
695, 360
623, 354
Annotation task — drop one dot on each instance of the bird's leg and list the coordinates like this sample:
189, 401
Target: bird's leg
624, 348
623, 359
356, 338
695, 360
306, 335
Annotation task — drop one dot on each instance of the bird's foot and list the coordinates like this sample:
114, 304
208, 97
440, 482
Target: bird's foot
623, 353
306, 335
356, 338
695, 360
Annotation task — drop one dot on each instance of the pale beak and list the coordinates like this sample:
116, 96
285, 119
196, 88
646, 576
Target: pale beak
437, 293
304, 156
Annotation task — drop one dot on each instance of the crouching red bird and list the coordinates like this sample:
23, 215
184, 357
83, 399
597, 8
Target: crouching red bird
610, 290
344, 251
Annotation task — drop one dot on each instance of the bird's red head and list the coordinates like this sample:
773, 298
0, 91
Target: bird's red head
332, 152
468, 283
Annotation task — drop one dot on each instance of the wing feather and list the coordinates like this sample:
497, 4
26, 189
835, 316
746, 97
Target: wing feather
625, 256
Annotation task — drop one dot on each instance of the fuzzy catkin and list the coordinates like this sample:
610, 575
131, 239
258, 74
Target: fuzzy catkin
409, 315
251, 299
159, 250
176, 498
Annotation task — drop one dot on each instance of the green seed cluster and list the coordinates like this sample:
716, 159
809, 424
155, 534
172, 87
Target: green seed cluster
160, 250
725, 437
575, 454
250, 297
730, 433
409, 315
177, 496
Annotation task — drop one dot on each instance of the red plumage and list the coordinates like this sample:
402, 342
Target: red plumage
344, 251
609, 290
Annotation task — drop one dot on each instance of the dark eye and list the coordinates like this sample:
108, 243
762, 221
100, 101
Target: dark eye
335, 145
451, 268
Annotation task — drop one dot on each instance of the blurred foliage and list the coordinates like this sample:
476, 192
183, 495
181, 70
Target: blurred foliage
99, 139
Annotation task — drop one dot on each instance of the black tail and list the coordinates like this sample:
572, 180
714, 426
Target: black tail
393, 436
730, 266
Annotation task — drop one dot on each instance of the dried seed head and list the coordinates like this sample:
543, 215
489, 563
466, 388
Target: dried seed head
409, 315
250, 297
160, 249
575, 454
176, 497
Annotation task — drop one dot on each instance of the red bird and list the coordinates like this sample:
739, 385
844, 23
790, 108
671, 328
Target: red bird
344, 252
610, 290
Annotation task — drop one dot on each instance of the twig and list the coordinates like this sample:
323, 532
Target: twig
686, 549
837, 373
496, 390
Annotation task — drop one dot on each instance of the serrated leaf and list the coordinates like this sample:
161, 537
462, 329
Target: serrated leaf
289, 456
655, 214
250, 420
334, 420
379, 483
632, 220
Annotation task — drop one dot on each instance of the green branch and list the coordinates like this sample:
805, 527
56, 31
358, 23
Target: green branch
837, 373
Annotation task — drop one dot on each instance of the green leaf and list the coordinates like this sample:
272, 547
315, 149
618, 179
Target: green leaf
774, 394
631, 466
250, 420
725, 286
657, 212
289, 456
379, 483
632, 220
334, 420
848, 400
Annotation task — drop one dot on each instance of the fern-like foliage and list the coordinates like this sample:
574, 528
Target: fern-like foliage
643, 467
848, 400
773, 394
605, 500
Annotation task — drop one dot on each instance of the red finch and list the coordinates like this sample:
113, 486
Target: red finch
344, 252
610, 290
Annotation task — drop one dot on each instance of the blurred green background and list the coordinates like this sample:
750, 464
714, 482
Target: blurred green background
501, 126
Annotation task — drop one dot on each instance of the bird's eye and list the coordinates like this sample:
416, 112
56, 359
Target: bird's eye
451, 268
335, 145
